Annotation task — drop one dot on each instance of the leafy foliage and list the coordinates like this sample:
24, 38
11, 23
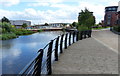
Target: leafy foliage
4, 19
6, 27
8, 31
86, 18
116, 28
46, 24
74, 24
24, 25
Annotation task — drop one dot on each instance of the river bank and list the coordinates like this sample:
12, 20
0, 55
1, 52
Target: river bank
8, 31
17, 33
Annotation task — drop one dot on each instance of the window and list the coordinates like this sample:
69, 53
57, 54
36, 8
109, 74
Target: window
109, 8
109, 16
108, 22
113, 8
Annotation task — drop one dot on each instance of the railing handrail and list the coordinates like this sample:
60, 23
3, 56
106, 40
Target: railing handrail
51, 50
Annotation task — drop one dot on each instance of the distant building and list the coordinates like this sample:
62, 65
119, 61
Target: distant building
110, 15
56, 24
118, 14
50, 25
19, 23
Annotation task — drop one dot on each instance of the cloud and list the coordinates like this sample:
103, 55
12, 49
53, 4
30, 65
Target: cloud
64, 12
38, 16
38, 4
9, 2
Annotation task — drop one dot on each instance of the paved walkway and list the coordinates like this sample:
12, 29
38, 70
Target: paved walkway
89, 56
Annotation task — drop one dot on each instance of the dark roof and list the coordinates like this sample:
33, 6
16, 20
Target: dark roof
111, 7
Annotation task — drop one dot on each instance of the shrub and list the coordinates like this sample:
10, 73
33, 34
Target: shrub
40, 30
116, 28
7, 36
83, 28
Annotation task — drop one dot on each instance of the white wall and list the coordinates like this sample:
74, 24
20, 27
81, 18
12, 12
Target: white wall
19, 22
118, 6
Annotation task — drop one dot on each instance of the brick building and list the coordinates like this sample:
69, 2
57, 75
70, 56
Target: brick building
118, 14
110, 15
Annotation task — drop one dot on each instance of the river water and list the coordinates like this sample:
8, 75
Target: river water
15, 54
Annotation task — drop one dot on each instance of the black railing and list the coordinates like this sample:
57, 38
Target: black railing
42, 64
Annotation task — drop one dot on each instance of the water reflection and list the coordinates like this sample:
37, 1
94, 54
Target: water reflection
16, 53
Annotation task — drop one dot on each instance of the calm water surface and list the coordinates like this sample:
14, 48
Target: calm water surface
17, 53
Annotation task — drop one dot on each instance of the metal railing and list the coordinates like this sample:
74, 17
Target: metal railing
42, 64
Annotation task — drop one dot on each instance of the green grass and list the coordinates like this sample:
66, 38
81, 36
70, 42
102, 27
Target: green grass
99, 28
8, 31
83, 28
23, 32
15, 33
40, 30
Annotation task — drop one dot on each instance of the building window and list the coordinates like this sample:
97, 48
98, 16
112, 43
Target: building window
109, 16
108, 22
109, 8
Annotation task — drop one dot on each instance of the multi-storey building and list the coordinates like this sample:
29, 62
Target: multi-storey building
118, 14
110, 15
19, 23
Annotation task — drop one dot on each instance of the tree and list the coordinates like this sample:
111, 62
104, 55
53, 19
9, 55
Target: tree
24, 25
46, 24
74, 24
4, 19
6, 27
86, 18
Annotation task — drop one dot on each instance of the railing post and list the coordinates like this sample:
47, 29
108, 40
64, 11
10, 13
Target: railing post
77, 33
49, 53
90, 31
69, 38
61, 44
81, 33
56, 49
74, 37
38, 64
66, 41
85, 32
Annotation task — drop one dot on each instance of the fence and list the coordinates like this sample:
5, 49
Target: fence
42, 64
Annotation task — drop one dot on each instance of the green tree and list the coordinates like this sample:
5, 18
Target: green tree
86, 18
6, 27
4, 19
24, 25
46, 24
74, 24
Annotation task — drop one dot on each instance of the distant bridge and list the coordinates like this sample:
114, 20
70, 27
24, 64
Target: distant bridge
47, 29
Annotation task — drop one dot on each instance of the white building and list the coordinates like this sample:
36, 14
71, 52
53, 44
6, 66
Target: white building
19, 23
118, 7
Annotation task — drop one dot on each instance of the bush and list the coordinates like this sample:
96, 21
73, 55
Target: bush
7, 36
40, 30
6, 26
83, 28
116, 28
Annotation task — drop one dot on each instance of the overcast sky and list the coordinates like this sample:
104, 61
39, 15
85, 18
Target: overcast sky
41, 11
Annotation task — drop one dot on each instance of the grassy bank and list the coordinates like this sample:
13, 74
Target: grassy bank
83, 28
99, 28
19, 32
8, 31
